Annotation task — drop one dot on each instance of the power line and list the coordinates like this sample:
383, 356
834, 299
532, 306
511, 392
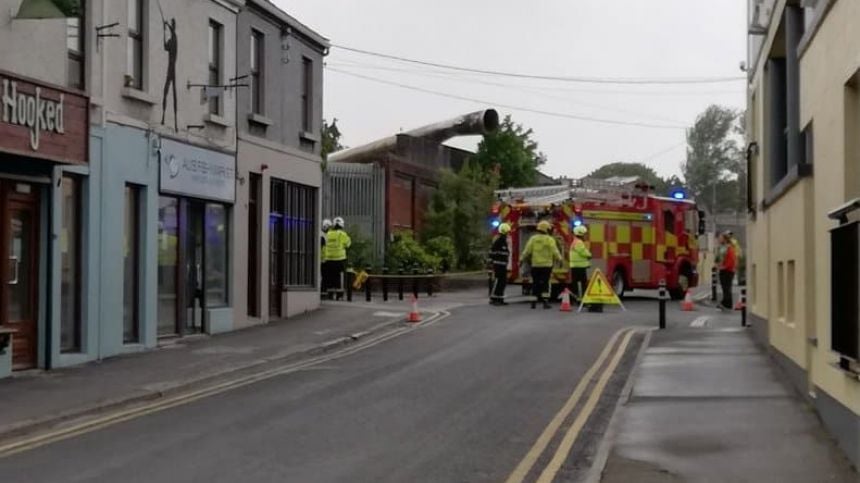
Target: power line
585, 80
508, 106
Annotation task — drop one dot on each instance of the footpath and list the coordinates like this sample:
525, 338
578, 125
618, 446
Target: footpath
40, 400
707, 404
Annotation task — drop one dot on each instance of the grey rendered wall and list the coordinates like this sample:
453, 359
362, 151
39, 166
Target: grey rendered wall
282, 71
32, 48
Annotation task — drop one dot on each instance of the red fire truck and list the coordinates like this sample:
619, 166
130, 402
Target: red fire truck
635, 237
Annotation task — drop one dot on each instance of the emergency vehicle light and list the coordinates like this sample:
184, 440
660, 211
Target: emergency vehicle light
577, 222
679, 194
495, 223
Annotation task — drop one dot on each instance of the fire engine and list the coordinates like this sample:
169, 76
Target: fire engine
636, 237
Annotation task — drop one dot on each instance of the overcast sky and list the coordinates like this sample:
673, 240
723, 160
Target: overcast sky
578, 38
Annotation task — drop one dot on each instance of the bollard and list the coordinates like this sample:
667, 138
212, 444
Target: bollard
385, 284
744, 305
415, 282
400, 284
367, 294
714, 276
663, 295
429, 282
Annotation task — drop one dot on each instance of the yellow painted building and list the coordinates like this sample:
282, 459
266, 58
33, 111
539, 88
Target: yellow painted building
803, 129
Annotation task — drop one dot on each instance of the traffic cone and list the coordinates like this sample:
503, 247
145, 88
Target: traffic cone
414, 315
687, 304
565, 301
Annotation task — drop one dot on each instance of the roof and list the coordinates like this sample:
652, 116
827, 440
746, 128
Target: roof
275, 12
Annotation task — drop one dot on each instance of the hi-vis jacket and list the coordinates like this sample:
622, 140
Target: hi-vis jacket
542, 251
336, 244
500, 252
580, 255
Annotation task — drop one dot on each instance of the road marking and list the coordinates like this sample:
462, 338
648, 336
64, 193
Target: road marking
36, 441
700, 321
561, 454
522, 469
388, 314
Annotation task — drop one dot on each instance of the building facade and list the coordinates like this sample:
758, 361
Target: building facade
804, 162
276, 260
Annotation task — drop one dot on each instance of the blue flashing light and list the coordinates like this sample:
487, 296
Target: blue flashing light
679, 194
495, 223
577, 222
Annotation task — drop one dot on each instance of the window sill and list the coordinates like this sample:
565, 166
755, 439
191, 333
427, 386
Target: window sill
138, 95
300, 288
795, 174
308, 136
260, 119
852, 371
217, 120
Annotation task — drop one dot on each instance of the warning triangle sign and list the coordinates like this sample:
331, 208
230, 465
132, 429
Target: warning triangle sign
600, 291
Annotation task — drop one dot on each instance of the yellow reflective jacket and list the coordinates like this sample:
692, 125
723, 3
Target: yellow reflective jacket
336, 244
541, 251
580, 255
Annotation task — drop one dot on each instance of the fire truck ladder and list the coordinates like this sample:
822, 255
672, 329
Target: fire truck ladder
614, 191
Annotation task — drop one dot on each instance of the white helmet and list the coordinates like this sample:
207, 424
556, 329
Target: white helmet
338, 222
326, 224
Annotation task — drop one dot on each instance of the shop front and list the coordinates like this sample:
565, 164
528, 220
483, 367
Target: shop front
43, 163
197, 192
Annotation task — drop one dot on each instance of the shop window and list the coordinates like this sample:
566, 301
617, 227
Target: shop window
168, 265
215, 64
70, 266
216, 255
294, 239
135, 42
131, 265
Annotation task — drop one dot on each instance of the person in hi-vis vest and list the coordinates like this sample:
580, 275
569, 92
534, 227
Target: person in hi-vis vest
337, 242
580, 262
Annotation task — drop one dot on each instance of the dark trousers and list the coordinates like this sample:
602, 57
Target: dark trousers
500, 282
336, 269
726, 279
325, 283
540, 282
578, 281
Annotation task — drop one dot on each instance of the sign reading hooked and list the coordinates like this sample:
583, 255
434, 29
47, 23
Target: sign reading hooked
600, 291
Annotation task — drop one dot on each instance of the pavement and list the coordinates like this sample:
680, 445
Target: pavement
708, 405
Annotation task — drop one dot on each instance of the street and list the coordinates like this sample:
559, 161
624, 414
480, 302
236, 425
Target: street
463, 399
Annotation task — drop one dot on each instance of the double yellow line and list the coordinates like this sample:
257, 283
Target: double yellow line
549, 433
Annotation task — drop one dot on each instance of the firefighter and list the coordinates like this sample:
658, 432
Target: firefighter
541, 252
324, 285
337, 242
580, 262
499, 253
728, 265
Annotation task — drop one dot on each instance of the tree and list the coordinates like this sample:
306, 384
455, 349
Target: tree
330, 138
459, 211
714, 160
645, 173
512, 151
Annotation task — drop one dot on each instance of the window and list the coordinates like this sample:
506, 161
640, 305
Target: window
75, 70
215, 31
168, 265
134, 66
216, 255
307, 94
70, 266
276, 244
669, 221
752, 287
780, 291
789, 291
844, 284
807, 145
131, 264
256, 85
294, 238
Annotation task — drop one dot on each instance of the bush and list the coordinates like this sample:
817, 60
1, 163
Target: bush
442, 247
360, 255
406, 253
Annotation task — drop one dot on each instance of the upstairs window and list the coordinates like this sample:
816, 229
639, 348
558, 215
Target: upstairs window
256, 84
134, 67
75, 70
307, 94
215, 65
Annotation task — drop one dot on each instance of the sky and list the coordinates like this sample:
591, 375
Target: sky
603, 39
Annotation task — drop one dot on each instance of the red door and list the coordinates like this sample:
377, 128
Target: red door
19, 245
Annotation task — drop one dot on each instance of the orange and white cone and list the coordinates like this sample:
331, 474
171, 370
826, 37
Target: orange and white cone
687, 304
565, 301
414, 315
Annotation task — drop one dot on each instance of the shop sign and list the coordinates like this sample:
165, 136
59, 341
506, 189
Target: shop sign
43, 121
188, 170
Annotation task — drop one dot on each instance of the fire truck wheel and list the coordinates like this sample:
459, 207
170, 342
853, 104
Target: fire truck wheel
618, 284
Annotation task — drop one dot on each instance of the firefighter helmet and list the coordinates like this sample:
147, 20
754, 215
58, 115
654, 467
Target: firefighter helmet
338, 222
326, 224
544, 226
581, 230
504, 228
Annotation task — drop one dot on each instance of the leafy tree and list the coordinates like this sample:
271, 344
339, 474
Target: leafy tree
512, 151
443, 248
360, 253
459, 211
714, 160
330, 138
406, 253
645, 173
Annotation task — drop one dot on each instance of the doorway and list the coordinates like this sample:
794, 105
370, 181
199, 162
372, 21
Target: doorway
195, 290
19, 272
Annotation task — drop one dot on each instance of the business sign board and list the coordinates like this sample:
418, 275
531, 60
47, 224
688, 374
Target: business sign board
196, 172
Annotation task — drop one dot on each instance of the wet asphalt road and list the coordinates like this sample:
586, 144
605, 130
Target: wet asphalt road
460, 400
